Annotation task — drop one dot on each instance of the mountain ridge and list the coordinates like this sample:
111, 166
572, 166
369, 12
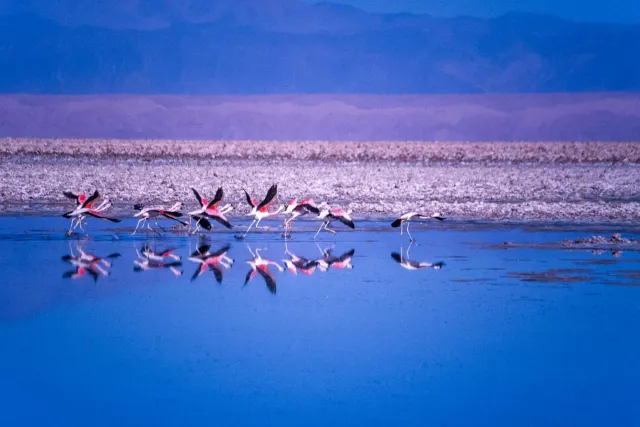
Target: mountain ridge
263, 47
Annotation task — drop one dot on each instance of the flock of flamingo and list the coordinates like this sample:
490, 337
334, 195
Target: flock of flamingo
212, 210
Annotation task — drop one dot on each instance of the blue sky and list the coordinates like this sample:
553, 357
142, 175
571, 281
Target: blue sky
580, 10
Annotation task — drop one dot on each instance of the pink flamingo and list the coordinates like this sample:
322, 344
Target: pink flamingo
330, 215
261, 210
413, 216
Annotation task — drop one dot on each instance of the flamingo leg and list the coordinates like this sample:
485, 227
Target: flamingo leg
326, 227
137, 225
401, 224
321, 227
80, 223
409, 234
251, 225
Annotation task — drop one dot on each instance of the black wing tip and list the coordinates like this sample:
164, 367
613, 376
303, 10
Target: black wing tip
396, 256
396, 223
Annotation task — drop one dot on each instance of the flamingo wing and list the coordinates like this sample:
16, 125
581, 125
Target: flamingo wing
198, 197
223, 250
271, 195
345, 221
217, 199
268, 279
92, 198
97, 215
251, 202
222, 221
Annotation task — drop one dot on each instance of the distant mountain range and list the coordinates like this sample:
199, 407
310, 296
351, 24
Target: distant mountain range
286, 46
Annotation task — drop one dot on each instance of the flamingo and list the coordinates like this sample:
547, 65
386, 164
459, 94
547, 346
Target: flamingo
409, 264
85, 209
79, 198
260, 266
213, 260
155, 212
296, 209
411, 216
210, 210
261, 210
330, 215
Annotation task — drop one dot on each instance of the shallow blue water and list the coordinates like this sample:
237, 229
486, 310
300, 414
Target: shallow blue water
480, 341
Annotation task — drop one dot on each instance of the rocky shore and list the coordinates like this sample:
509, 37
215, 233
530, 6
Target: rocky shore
481, 181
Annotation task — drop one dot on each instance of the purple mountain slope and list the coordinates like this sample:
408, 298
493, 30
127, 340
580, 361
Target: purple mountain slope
532, 117
287, 46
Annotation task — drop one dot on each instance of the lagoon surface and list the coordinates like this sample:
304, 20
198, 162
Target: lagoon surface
490, 336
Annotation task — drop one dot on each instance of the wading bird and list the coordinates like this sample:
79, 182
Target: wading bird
295, 209
155, 213
329, 215
414, 216
261, 210
85, 209
209, 210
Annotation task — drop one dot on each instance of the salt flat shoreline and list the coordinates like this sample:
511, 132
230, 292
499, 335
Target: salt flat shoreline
516, 181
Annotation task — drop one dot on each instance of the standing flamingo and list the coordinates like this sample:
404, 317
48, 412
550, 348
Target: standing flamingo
413, 216
261, 210
330, 215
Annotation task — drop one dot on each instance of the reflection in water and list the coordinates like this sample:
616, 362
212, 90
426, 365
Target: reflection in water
149, 259
215, 260
86, 263
329, 260
295, 262
260, 266
406, 261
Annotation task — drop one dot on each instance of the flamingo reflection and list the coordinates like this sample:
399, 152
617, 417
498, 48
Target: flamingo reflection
216, 261
329, 260
148, 259
87, 263
409, 264
295, 263
260, 266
